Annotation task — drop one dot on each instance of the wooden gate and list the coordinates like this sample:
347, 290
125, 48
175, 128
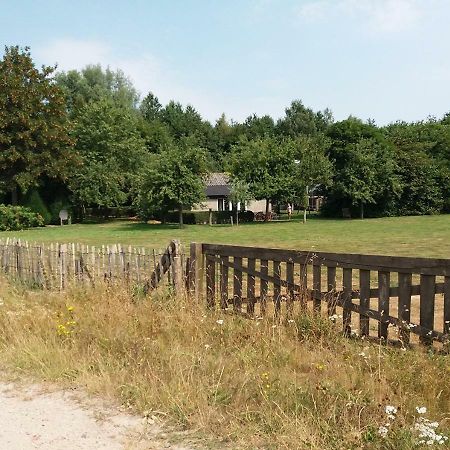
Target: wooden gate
396, 298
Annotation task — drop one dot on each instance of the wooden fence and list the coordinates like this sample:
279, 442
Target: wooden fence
57, 265
395, 298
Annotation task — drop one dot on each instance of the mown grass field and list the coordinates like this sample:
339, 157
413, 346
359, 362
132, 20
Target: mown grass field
427, 236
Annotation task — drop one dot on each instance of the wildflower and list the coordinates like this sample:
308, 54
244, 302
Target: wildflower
390, 410
274, 326
291, 321
220, 321
334, 317
363, 355
207, 346
421, 409
70, 308
383, 431
427, 432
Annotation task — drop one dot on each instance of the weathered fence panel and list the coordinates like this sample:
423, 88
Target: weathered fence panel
55, 266
412, 295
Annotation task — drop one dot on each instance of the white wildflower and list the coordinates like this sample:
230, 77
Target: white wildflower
220, 321
421, 409
390, 410
427, 432
383, 431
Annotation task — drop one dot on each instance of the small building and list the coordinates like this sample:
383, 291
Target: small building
218, 190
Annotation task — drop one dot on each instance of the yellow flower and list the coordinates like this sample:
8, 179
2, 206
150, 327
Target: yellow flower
70, 308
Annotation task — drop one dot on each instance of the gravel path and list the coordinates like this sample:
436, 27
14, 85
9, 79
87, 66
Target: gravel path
34, 418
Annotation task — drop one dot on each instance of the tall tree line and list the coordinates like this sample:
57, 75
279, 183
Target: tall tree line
86, 139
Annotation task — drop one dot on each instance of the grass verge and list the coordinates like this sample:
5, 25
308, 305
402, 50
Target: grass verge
246, 384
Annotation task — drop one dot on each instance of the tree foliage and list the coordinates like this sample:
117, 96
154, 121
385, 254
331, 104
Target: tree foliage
34, 127
85, 136
93, 84
112, 153
172, 180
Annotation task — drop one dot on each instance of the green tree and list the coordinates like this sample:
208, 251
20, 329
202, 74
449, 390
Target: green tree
184, 122
423, 165
92, 84
240, 194
300, 120
34, 127
266, 165
312, 166
150, 107
112, 152
173, 180
258, 127
364, 169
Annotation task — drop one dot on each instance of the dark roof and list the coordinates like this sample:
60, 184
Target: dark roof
217, 185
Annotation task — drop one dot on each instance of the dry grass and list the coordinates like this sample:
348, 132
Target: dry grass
244, 384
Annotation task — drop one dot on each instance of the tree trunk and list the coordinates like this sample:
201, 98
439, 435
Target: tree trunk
14, 196
237, 216
180, 216
361, 210
304, 215
266, 217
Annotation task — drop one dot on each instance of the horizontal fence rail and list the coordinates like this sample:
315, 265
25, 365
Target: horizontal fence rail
397, 298
55, 266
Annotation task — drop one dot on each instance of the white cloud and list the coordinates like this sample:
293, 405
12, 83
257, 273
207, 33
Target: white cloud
378, 16
314, 10
147, 72
72, 54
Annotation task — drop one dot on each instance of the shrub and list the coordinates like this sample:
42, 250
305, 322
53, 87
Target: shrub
202, 217
14, 218
56, 206
110, 213
34, 201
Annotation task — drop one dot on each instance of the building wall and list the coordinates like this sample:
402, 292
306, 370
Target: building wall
252, 205
257, 206
206, 205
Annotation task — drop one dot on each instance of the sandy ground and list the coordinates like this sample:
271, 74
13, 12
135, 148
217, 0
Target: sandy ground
33, 417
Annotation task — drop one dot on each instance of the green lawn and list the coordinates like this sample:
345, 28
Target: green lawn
408, 236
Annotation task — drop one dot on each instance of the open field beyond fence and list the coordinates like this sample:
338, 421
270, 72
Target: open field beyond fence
424, 236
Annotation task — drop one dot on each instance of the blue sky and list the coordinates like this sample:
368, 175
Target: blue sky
379, 59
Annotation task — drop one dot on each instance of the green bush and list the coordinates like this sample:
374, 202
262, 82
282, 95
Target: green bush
13, 218
202, 217
34, 201
56, 206
110, 213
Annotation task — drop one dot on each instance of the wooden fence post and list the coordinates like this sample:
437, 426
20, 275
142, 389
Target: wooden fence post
177, 269
197, 270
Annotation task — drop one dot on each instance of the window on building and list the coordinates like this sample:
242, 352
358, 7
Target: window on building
220, 204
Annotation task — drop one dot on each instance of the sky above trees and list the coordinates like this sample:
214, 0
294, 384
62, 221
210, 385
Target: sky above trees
379, 59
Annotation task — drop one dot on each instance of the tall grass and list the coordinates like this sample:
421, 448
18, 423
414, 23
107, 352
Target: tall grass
243, 383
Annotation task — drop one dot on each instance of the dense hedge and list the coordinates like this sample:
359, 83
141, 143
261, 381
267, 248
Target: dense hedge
110, 213
14, 218
34, 202
202, 217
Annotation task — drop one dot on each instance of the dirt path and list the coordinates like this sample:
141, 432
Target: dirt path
33, 418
